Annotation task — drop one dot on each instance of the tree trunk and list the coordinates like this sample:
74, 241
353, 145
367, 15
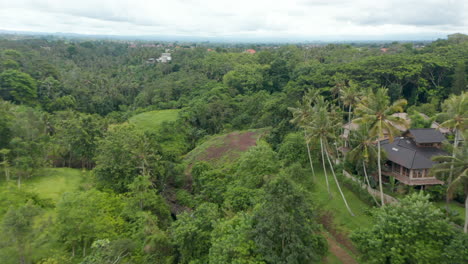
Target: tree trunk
367, 180
308, 152
337, 184
84, 248
455, 145
325, 168
349, 121
380, 174
465, 228
19, 181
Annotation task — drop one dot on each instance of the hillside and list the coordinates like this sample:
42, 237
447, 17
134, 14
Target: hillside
219, 149
153, 119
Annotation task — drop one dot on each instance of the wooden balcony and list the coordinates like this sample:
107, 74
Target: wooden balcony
415, 181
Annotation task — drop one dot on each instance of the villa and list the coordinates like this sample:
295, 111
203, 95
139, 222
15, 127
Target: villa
409, 158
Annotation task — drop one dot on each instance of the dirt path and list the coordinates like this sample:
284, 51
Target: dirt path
339, 252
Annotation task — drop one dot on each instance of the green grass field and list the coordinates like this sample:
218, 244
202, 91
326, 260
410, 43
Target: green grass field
153, 119
336, 205
53, 182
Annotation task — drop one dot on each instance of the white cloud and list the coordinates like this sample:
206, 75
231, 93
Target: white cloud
219, 18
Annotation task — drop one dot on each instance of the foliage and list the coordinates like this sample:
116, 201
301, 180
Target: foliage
83, 217
231, 242
191, 233
18, 87
412, 231
284, 229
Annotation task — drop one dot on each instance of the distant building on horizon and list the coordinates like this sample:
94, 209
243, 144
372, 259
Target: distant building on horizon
165, 57
251, 51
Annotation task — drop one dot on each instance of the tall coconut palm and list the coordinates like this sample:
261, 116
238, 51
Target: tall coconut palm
375, 111
350, 96
458, 165
363, 152
324, 124
302, 116
456, 107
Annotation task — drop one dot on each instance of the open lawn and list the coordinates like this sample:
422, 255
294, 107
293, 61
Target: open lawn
336, 205
53, 182
153, 119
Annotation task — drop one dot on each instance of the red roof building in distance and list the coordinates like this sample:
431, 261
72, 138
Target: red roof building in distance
209, 50
384, 50
251, 51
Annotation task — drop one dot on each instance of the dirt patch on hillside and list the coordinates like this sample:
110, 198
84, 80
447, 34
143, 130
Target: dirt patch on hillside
234, 142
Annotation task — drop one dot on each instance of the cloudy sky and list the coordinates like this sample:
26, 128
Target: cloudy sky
314, 19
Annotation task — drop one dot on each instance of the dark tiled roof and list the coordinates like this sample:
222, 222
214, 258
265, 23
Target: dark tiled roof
404, 151
427, 135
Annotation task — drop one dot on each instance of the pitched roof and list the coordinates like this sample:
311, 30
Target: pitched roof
404, 151
427, 135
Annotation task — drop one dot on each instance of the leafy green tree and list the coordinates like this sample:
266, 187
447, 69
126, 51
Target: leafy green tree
293, 149
459, 84
143, 195
239, 198
18, 230
231, 242
155, 244
109, 252
412, 231
284, 225
457, 166
246, 78
86, 216
257, 165
133, 154
191, 233
18, 87
375, 112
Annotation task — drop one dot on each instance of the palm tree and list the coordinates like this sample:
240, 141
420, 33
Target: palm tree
350, 96
456, 107
325, 123
363, 151
375, 111
301, 117
458, 165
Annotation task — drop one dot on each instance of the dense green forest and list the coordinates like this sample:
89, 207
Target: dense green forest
225, 156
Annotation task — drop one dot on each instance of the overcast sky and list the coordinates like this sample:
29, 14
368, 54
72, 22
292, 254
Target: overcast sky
313, 19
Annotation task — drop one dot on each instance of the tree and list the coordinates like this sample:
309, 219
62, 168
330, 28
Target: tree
350, 96
231, 242
459, 84
363, 152
456, 108
375, 112
412, 231
143, 195
5, 163
123, 154
191, 233
302, 118
457, 166
17, 228
284, 225
86, 216
324, 124
256, 165
18, 87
